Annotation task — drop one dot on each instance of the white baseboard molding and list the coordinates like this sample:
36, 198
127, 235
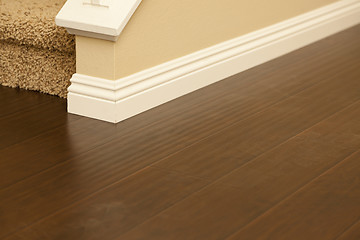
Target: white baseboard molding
114, 101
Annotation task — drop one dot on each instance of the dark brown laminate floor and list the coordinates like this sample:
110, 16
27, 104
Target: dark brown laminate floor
271, 153
352, 233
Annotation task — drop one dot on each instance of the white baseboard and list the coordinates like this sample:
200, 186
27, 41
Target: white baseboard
114, 101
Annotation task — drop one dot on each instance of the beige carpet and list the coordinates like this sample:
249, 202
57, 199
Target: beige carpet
35, 53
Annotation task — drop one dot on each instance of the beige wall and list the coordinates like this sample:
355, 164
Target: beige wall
162, 30
95, 57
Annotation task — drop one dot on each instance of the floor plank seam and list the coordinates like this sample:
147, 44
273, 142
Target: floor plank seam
320, 57
347, 229
180, 173
26, 111
71, 205
292, 194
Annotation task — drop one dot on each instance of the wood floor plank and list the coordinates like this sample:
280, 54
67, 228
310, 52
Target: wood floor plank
13, 100
352, 233
321, 210
222, 208
46, 150
237, 97
226, 150
24, 124
120, 207
82, 176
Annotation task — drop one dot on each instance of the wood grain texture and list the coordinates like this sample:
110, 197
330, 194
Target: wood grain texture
33, 116
156, 175
321, 210
15, 100
241, 196
119, 208
352, 233
84, 174
267, 129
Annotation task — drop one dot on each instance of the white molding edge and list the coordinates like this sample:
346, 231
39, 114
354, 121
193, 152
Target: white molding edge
114, 101
104, 19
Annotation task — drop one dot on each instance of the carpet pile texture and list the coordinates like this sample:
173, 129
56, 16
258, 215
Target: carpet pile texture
35, 54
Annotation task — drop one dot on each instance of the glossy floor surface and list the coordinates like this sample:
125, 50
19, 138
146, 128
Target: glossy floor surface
271, 153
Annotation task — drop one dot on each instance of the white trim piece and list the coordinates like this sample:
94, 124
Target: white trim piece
114, 101
104, 19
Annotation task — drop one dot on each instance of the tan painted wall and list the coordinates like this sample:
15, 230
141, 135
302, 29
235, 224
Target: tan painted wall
162, 30
95, 57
